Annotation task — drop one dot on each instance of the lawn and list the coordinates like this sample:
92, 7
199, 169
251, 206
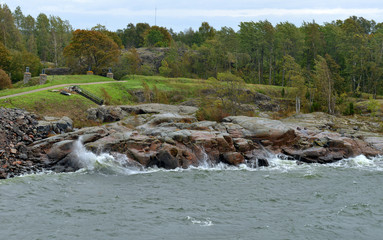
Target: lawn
19, 87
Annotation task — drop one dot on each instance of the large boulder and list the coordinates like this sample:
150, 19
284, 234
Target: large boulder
269, 132
105, 114
159, 108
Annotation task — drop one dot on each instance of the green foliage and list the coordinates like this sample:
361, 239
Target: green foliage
9, 34
324, 83
164, 69
129, 63
373, 106
133, 35
5, 58
157, 37
229, 90
350, 109
22, 60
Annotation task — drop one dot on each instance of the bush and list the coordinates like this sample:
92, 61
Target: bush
213, 112
5, 81
350, 109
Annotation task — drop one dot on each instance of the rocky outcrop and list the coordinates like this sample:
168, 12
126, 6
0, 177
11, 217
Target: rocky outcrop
171, 137
116, 113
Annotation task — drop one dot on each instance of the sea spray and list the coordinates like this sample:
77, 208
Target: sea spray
103, 162
118, 163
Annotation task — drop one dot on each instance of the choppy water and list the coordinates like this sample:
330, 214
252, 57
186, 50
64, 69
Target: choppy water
284, 201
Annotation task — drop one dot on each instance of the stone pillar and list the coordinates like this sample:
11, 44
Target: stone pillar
89, 73
27, 77
43, 79
109, 75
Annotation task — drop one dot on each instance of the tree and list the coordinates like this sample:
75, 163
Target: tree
28, 32
19, 17
5, 58
296, 79
164, 69
313, 44
324, 84
43, 38
9, 34
206, 31
157, 37
133, 61
91, 49
229, 90
60, 32
112, 35
21, 60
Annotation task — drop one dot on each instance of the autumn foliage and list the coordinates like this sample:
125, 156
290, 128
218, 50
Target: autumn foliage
5, 81
91, 49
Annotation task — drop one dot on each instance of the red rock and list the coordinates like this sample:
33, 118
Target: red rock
232, 158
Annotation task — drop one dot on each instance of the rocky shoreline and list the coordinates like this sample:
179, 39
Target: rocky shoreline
169, 137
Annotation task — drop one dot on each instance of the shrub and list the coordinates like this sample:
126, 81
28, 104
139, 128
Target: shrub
350, 109
5, 81
105, 95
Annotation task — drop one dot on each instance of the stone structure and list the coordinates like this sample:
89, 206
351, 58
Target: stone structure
27, 76
110, 74
43, 78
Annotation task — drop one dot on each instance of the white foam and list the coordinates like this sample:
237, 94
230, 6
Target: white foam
203, 223
108, 164
103, 162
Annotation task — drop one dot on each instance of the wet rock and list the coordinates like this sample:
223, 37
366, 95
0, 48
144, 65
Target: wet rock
232, 158
262, 162
163, 160
60, 150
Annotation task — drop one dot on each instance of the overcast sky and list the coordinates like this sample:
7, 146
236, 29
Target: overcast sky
180, 15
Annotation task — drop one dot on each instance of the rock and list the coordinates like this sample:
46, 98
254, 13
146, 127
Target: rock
160, 108
262, 162
106, 114
60, 150
232, 158
163, 160
270, 132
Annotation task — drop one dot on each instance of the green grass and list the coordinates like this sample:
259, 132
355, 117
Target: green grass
47, 103
170, 90
19, 87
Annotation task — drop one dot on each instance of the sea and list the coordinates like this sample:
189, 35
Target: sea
286, 200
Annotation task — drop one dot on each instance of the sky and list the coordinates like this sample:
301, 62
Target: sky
181, 15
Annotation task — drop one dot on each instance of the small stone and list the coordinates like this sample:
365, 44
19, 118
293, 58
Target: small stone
13, 151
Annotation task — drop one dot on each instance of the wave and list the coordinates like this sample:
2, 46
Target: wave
107, 163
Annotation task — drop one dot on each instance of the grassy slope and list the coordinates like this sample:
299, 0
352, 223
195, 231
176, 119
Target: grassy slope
75, 106
52, 81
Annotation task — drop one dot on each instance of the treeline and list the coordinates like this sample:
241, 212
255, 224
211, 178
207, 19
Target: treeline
26, 41
262, 53
344, 56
